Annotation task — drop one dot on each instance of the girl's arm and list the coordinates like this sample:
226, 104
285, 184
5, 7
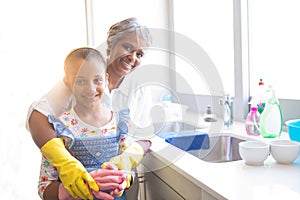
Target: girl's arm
41, 130
51, 191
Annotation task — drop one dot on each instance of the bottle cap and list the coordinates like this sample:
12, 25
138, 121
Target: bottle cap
260, 82
254, 108
209, 110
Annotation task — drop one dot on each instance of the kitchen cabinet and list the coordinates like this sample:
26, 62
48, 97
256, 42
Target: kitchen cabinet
156, 188
161, 181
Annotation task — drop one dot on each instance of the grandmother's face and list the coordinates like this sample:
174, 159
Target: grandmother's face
126, 55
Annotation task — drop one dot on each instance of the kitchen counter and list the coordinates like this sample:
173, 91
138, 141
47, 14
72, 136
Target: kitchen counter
233, 180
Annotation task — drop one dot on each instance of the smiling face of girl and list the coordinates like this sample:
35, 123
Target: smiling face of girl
85, 75
89, 83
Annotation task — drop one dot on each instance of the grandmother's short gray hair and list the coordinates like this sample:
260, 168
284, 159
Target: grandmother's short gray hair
118, 30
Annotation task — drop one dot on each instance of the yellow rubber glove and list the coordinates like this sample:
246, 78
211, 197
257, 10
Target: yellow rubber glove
129, 158
71, 172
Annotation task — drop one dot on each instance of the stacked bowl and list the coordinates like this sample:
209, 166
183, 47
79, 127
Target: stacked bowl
284, 151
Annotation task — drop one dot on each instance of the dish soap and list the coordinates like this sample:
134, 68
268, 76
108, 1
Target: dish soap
271, 117
252, 122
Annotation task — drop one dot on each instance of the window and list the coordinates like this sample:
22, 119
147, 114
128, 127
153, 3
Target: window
35, 37
34, 42
274, 45
246, 40
105, 16
273, 50
210, 25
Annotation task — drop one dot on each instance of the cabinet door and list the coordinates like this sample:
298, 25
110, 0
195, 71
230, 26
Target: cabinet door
156, 189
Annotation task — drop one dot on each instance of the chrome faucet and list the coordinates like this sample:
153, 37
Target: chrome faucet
227, 103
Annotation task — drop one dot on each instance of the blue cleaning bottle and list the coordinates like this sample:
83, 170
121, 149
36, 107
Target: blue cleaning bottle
271, 117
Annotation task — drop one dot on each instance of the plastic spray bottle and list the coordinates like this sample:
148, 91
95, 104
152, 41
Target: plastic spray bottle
253, 122
271, 117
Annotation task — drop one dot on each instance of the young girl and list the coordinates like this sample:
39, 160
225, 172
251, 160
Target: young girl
125, 43
89, 128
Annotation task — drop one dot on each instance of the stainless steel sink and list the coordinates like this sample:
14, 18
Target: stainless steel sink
165, 127
222, 149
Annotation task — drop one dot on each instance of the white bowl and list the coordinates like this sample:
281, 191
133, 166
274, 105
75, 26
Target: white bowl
254, 152
284, 151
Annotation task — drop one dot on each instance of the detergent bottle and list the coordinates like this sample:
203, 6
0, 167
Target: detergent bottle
253, 122
271, 117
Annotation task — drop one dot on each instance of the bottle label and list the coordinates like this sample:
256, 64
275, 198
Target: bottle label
252, 128
271, 126
260, 107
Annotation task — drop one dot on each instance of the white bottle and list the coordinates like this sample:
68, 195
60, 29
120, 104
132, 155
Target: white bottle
271, 118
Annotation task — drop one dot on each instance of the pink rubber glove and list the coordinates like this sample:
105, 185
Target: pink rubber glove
107, 179
124, 185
